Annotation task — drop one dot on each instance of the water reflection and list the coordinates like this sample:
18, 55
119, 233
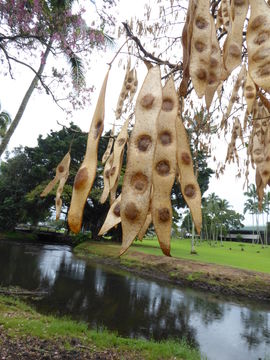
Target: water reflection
133, 306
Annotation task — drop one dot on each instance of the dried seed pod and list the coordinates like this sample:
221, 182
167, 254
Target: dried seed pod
259, 188
123, 93
234, 95
215, 68
233, 44
113, 217
165, 153
186, 42
145, 227
62, 172
87, 172
109, 147
118, 151
200, 47
134, 86
189, 184
226, 14
258, 43
138, 177
106, 179
249, 92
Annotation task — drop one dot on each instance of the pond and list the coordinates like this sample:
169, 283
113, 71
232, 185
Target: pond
133, 306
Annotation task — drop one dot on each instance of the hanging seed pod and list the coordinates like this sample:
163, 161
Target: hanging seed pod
215, 68
233, 44
109, 147
124, 93
86, 175
138, 177
249, 93
186, 42
118, 151
106, 179
259, 189
62, 172
113, 217
165, 167
234, 95
189, 184
258, 43
219, 21
134, 86
200, 47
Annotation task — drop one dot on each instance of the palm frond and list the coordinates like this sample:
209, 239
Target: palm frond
77, 70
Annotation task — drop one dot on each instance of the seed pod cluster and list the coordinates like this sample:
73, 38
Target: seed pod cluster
258, 43
62, 172
165, 167
86, 174
138, 176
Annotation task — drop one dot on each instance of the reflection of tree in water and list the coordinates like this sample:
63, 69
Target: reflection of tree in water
209, 310
19, 266
255, 327
131, 306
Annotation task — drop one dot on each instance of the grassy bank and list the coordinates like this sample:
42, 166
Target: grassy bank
16, 235
234, 269
18, 320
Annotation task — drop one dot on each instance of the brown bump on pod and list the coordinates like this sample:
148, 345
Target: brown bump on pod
106, 179
79, 195
61, 171
140, 157
249, 92
201, 39
187, 179
233, 43
165, 166
258, 43
118, 151
215, 68
113, 217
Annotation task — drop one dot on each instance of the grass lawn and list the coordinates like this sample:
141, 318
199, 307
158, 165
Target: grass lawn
252, 257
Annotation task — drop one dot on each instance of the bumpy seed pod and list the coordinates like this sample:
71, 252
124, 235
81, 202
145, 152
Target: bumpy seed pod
215, 68
106, 179
258, 43
87, 172
165, 167
259, 188
200, 47
109, 147
62, 172
233, 44
249, 92
186, 44
118, 151
126, 88
145, 227
219, 21
113, 217
138, 177
134, 86
189, 184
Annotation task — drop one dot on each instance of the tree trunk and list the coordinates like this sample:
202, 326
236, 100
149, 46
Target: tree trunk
24, 102
193, 251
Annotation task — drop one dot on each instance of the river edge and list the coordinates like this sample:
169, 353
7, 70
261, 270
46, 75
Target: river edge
217, 279
27, 334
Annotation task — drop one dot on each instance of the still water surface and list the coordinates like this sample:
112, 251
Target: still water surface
136, 307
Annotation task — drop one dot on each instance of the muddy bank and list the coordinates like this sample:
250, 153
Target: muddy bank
187, 273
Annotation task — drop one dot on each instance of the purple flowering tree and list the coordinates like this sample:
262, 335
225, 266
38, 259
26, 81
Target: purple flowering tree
31, 31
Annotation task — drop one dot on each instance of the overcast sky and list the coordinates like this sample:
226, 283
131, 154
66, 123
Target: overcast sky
42, 113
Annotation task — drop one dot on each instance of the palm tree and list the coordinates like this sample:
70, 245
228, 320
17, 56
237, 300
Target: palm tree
223, 207
251, 205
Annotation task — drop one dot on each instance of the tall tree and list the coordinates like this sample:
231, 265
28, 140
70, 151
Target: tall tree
39, 29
